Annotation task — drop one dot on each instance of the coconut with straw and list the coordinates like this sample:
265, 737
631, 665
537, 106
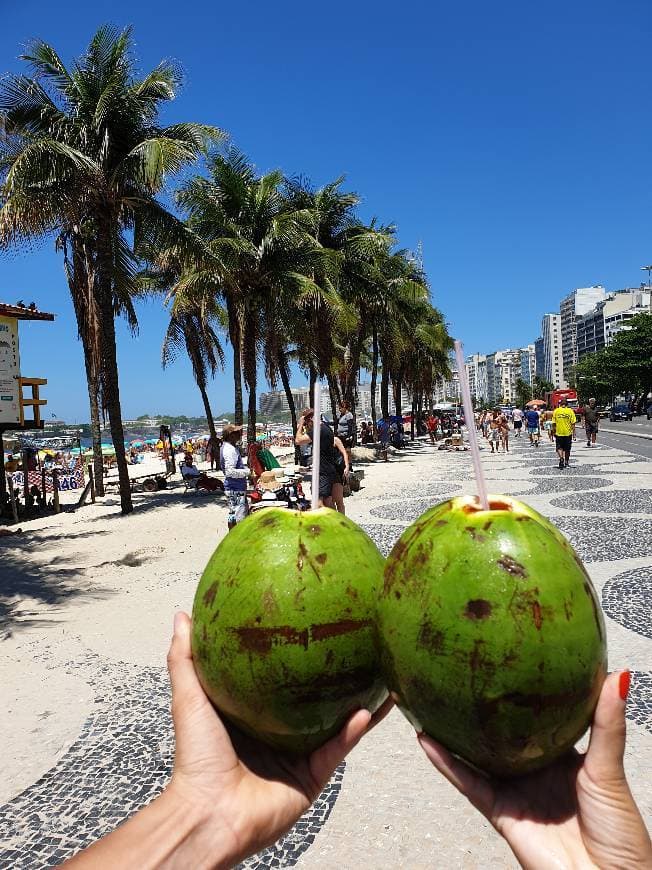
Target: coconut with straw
491, 635
283, 635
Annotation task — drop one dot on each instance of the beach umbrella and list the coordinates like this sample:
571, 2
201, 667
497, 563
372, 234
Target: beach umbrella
152, 441
535, 403
137, 443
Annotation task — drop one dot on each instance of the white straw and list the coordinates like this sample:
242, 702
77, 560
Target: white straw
316, 438
469, 419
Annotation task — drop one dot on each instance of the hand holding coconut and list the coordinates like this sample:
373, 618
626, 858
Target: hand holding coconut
577, 812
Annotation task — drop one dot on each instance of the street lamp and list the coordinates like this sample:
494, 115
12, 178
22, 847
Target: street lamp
648, 269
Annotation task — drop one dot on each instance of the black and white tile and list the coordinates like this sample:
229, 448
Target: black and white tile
627, 599
121, 760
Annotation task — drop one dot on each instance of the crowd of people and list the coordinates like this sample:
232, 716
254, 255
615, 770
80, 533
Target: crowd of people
559, 424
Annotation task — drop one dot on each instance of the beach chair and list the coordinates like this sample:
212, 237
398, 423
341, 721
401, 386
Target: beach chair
189, 483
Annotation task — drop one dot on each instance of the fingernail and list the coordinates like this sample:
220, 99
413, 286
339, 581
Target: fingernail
177, 621
623, 684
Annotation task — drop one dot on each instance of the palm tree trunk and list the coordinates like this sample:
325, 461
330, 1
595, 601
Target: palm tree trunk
285, 380
110, 384
93, 384
332, 392
384, 391
374, 374
236, 342
412, 415
398, 393
208, 411
249, 343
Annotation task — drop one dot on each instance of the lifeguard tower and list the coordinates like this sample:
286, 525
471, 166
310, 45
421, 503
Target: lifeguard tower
20, 397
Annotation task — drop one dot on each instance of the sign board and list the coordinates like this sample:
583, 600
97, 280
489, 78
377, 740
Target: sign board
9, 371
65, 482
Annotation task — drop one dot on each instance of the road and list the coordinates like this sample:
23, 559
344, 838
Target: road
636, 446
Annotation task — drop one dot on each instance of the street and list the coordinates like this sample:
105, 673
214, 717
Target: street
632, 444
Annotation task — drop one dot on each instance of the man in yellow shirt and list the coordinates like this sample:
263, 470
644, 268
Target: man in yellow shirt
563, 424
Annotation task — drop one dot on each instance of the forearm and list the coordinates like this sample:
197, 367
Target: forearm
168, 833
234, 472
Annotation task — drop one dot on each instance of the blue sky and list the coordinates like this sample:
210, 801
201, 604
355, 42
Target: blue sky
512, 139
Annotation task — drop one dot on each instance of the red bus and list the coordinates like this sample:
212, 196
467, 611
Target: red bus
552, 398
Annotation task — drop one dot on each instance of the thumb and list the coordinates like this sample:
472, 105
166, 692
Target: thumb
186, 689
604, 757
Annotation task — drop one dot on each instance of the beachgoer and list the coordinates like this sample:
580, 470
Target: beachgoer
563, 422
346, 425
591, 423
228, 800
546, 418
213, 452
235, 474
341, 462
328, 474
431, 426
383, 430
517, 419
494, 432
188, 467
366, 433
504, 432
532, 421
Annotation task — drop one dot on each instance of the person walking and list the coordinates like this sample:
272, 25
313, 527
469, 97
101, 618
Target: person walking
346, 425
504, 431
431, 426
235, 473
533, 423
517, 420
494, 432
328, 474
591, 423
563, 424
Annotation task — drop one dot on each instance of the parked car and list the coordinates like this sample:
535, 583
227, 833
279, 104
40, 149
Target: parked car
648, 411
620, 412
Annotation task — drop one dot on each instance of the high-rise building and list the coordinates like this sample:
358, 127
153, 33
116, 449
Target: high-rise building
579, 301
476, 372
596, 328
276, 402
539, 357
528, 364
503, 370
448, 389
553, 364
621, 307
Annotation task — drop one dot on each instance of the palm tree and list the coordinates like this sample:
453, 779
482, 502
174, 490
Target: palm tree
262, 256
192, 328
83, 147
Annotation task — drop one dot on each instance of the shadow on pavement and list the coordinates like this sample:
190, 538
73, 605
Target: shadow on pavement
41, 582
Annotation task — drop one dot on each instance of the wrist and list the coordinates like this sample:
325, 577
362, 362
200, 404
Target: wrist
202, 838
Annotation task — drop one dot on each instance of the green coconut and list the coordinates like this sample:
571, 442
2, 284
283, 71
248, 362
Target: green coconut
492, 638
283, 631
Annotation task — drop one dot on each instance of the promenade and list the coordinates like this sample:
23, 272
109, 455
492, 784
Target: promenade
86, 606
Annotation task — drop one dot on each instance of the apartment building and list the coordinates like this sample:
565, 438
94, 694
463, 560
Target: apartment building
553, 363
578, 302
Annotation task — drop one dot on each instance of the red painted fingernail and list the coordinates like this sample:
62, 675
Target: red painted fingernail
623, 684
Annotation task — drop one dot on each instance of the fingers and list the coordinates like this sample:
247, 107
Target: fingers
187, 693
325, 759
607, 743
380, 713
473, 786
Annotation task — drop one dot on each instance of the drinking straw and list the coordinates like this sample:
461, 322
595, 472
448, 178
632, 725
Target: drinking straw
316, 437
469, 419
